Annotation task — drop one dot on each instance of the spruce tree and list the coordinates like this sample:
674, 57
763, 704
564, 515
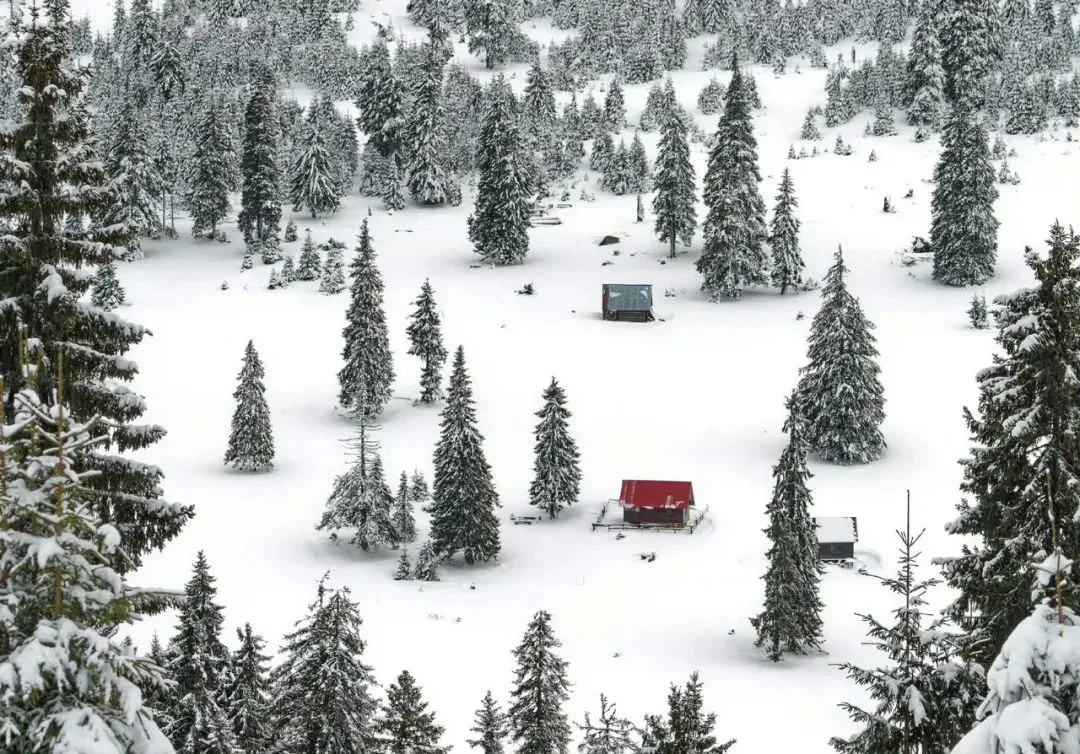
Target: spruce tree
673, 205
685, 727
610, 734
428, 179
492, 27
427, 563
368, 361
734, 255
309, 267
967, 52
839, 394
404, 570
791, 620
313, 184
489, 725
556, 471
1025, 445
403, 519
810, 130
425, 342
499, 224
288, 271
787, 262
211, 174
49, 172
418, 487
247, 692
333, 272
963, 229
464, 499
260, 193
251, 441
135, 182
406, 727
107, 293
323, 690
537, 722
924, 698
924, 82
614, 108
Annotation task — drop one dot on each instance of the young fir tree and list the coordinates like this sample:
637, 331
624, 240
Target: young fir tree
810, 130
50, 172
211, 174
492, 27
251, 441
978, 314
489, 725
406, 727
323, 690
924, 82
734, 255
427, 563
135, 182
787, 262
924, 699
614, 108
288, 271
369, 363
791, 620
247, 692
839, 394
314, 183
499, 223
425, 342
963, 229
538, 111
673, 205
464, 498
556, 471
290, 232
1024, 443
425, 133
107, 293
404, 570
967, 52
403, 519
686, 727
418, 487
260, 192
61, 665
333, 272
537, 722
309, 267
610, 734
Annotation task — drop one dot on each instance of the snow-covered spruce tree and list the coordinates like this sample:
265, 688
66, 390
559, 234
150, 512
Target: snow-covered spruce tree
133, 178
427, 563
967, 53
492, 28
425, 342
609, 735
251, 440
963, 229
369, 364
49, 172
924, 699
640, 172
733, 256
333, 272
556, 469
673, 205
464, 498
686, 727
403, 519
787, 262
260, 192
314, 183
406, 726
536, 719
404, 570
615, 108
63, 673
247, 691
199, 725
538, 112
489, 726
107, 293
290, 232
428, 180
499, 223
288, 271
978, 314
1024, 443
323, 690
924, 82
791, 620
212, 173
839, 394
711, 97
810, 130
309, 267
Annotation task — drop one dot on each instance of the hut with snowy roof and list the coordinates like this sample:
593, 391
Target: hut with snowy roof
836, 537
656, 503
624, 302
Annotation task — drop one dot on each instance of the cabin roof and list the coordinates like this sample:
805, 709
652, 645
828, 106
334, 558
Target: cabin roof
628, 297
833, 529
650, 493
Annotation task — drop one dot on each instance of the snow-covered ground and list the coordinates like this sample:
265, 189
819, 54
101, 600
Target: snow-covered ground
697, 396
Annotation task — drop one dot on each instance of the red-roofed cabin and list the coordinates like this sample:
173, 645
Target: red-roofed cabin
651, 502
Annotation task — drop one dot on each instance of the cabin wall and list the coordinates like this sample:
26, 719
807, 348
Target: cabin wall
836, 551
669, 516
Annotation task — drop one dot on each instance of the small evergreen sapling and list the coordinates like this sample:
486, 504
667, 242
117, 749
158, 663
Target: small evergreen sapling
309, 266
404, 570
490, 727
404, 522
556, 468
711, 98
333, 272
107, 292
610, 735
290, 232
810, 130
418, 487
406, 727
274, 282
538, 724
977, 312
427, 563
425, 341
251, 441
288, 272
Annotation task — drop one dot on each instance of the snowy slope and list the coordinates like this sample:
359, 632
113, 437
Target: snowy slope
698, 396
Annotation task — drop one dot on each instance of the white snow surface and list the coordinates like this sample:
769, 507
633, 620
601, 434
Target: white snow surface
699, 396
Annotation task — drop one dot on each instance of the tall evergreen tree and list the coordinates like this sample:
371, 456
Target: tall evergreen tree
734, 255
609, 735
135, 182
403, 519
686, 727
489, 725
48, 174
314, 184
368, 361
963, 229
791, 620
428, 180
322, 691
556, 471
839, 394
924, 84
673, 205
425, 341
260, 194
212, 171
247, 692
1025, 444
537, 722
251, 441
614, 108
967, 52
499, 224
787, 262
464, 498
406, 727
538, 111
492, 27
